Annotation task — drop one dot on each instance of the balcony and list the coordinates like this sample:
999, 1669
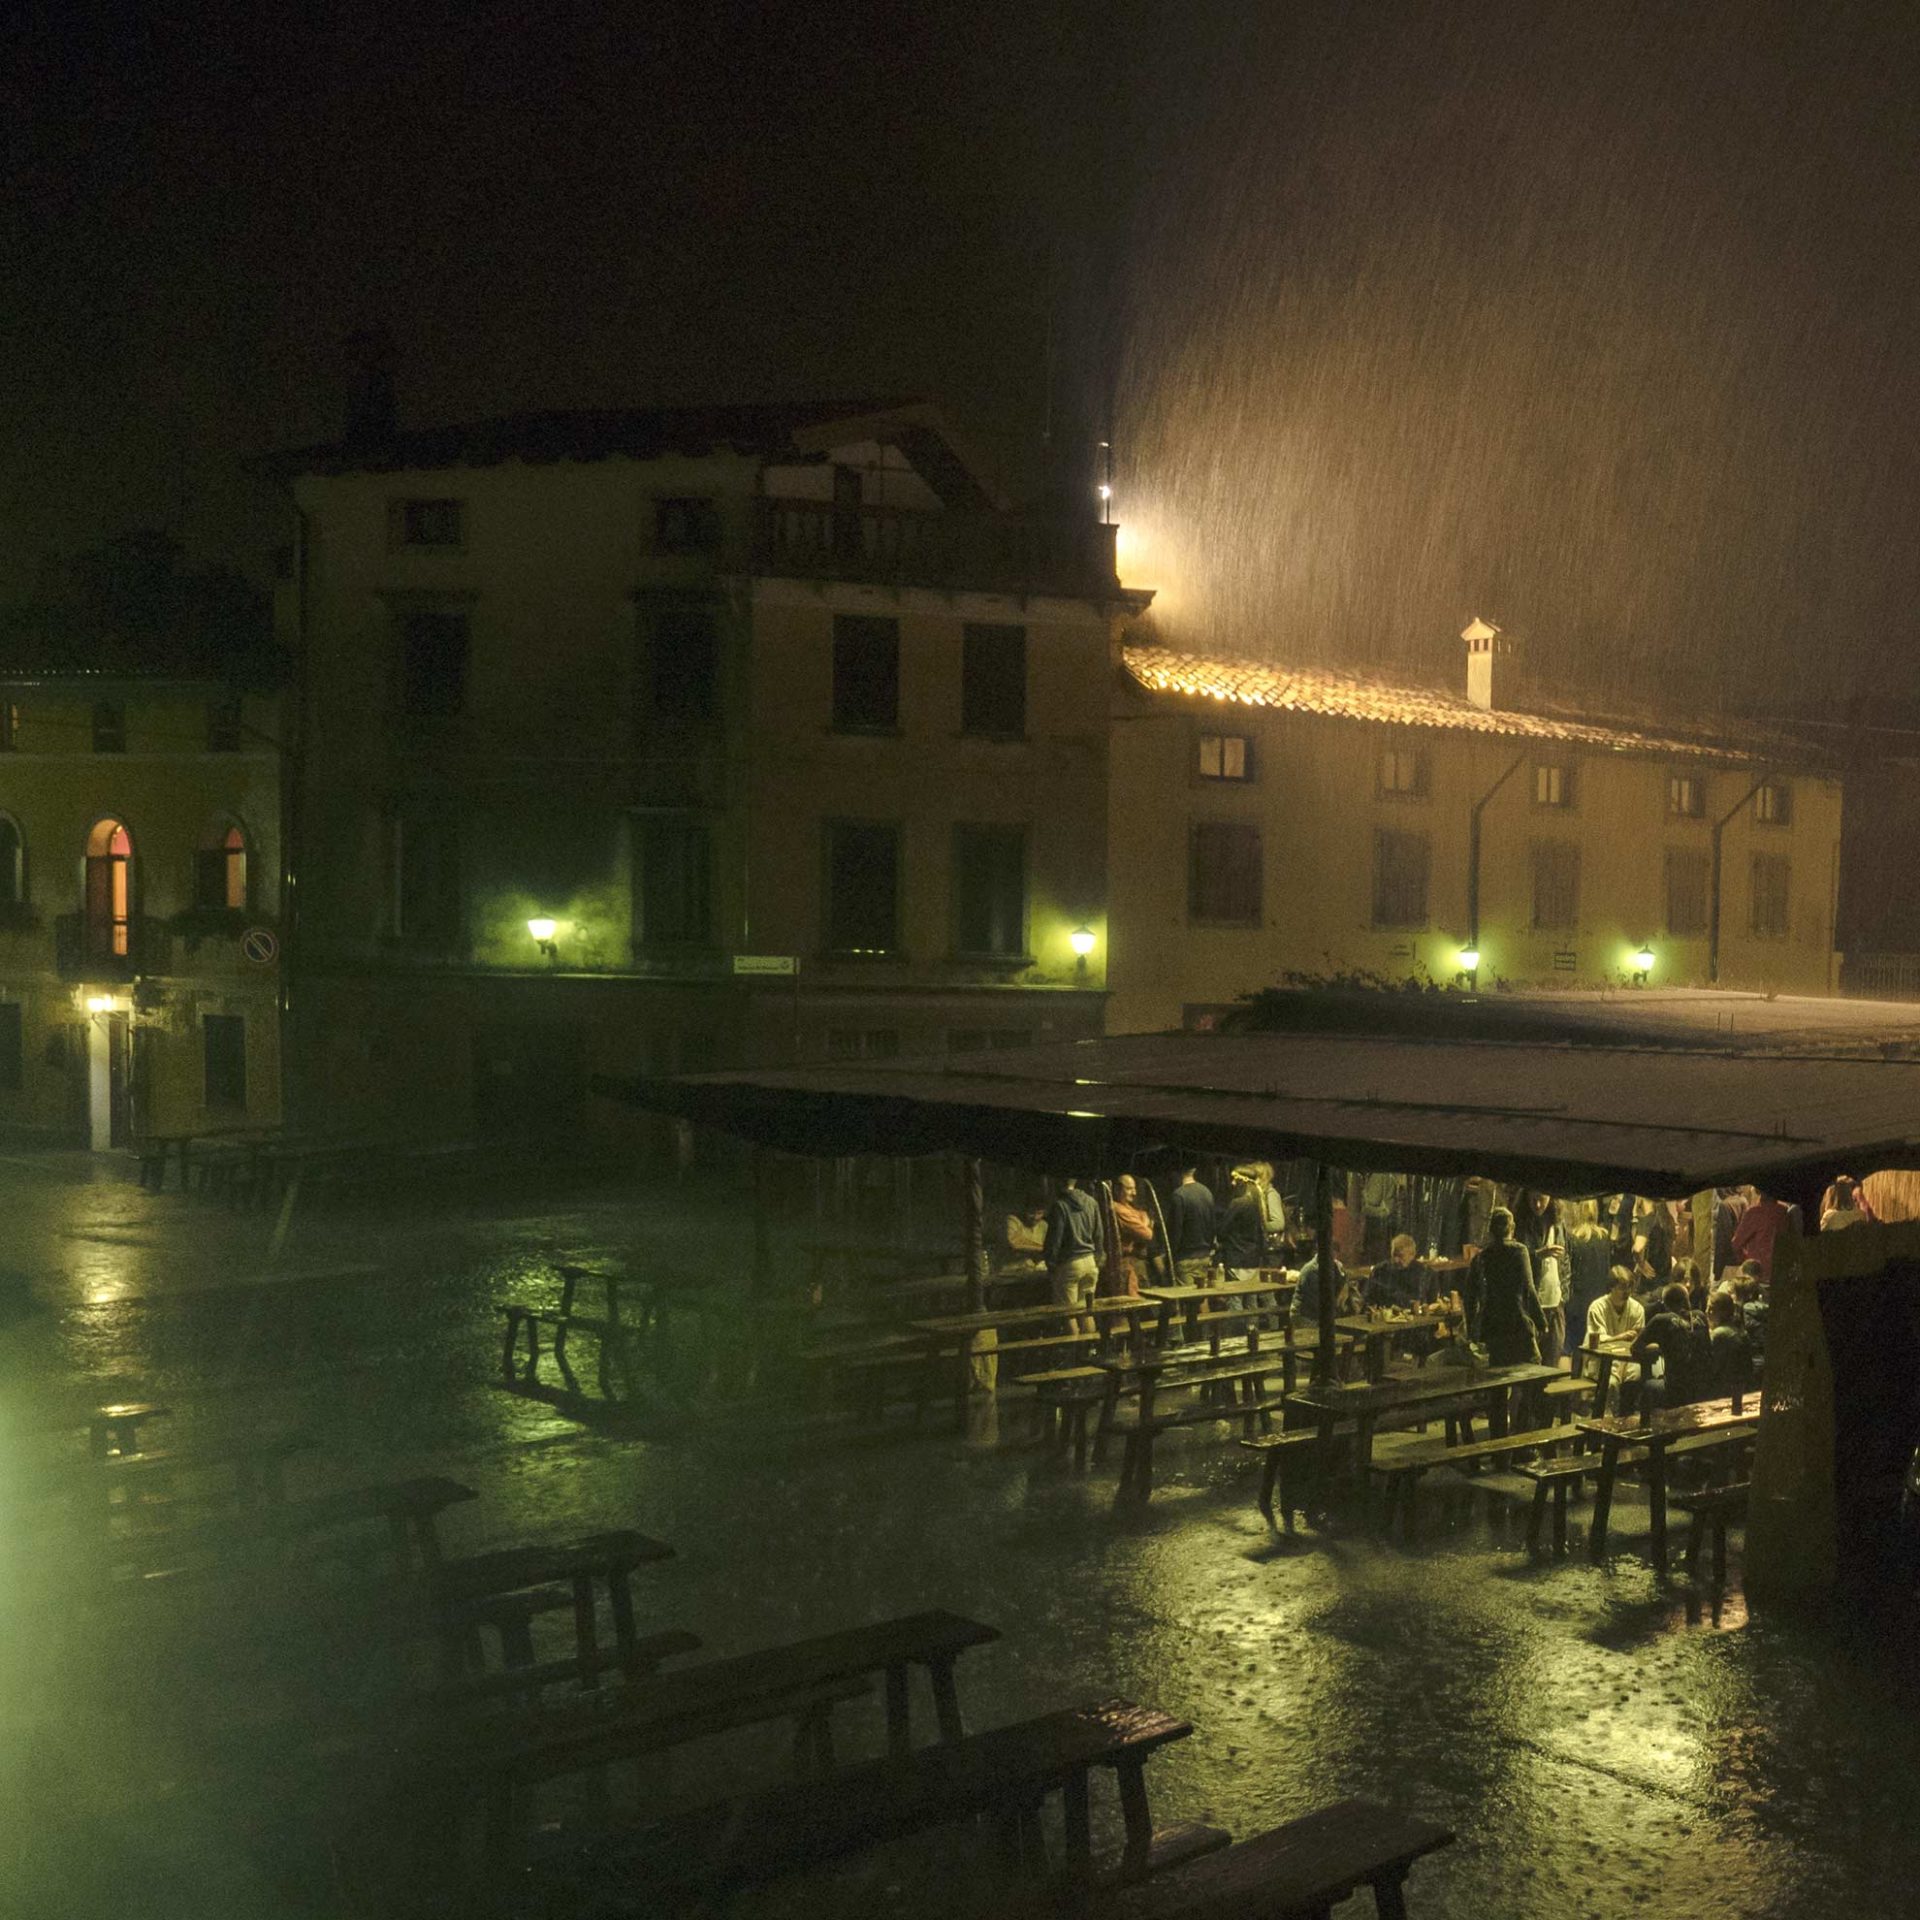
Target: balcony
83, 950
903, 547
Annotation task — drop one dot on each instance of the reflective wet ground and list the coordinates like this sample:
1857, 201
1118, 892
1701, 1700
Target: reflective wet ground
1600, 1747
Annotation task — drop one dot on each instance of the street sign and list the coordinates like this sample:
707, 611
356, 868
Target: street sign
261, 945
766, 963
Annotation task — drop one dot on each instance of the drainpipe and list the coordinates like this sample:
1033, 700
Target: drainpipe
1713, 903
1473, 856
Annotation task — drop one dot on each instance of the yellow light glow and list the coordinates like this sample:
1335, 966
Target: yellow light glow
1469, 959
99, 1003
1643, 960
542, 928
1081, 941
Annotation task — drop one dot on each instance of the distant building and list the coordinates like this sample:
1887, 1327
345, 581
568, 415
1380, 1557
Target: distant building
1269, 819
651, 742
139, 902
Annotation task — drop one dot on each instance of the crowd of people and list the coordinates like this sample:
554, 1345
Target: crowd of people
1519, 1274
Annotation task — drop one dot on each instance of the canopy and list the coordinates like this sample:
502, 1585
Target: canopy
1652, 1093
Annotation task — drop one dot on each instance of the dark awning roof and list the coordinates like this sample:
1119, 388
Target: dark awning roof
1652, 1093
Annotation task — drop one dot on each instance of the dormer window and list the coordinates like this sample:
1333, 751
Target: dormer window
1686, 796
1773, 805
1403, 773
1553, 784
1226, 756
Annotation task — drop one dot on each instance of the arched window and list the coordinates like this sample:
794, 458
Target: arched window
220, 870
109, 891
13, 863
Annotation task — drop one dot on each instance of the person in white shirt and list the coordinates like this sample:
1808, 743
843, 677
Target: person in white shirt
1615, 1313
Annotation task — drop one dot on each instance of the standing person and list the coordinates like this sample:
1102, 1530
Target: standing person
1476, 1202
1728, 1205
1243, 1233
1589, 1258
1273, 1214
1761, 1225
1843, 1205
1076, 1240
1677, 1338
1190, 1228
1133, 1226
1379, 1193
1614, 1314
1653, 1239
1503, 1310
1538, 1230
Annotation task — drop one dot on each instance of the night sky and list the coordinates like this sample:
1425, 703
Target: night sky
1596, 320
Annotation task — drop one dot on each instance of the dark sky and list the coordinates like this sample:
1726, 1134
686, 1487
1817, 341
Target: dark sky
1598, 320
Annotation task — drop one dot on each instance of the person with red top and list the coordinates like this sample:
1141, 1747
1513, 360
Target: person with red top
1760, 1226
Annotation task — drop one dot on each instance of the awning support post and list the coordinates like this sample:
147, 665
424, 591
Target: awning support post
974, 1192
762, 1276
1323, 1257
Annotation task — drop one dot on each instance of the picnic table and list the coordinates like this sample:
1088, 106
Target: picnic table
1603, 1353
1028, 1331
1366, 1405
1380, 1328
1190, 1300
1656, 1434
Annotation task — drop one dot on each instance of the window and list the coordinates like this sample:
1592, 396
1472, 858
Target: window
866, 674
427, 906
1772, 889
862, 1043
1553, 784
863, 886
13, 863
676, 881
1401, 863
685, 665
1556, 884
993, 681
224, 727
1773, 804
109, 727
429, 523
1226, 756
13, 1050
224, 1040
990, 891
109, 920
1403, 773
1224, 873
9, 726
434, 643
1686, 796
686, 526
1687, 886
220, 873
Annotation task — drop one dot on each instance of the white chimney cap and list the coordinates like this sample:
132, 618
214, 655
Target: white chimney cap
1478, 629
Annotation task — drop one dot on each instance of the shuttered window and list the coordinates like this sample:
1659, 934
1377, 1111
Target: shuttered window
1772, 892
1401, 865
1556, 884
1223, 873
1687, 885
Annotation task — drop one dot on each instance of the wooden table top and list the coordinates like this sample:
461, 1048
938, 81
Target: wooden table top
1453, 1383
1674, 1423
994, 1318
511, 1568
1227, 1290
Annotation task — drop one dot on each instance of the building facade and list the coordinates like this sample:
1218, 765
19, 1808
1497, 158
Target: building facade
1269, 821
665, 741
139, 907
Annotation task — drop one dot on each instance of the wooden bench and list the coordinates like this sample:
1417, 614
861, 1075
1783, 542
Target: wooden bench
1709, 1509
1245, 1378
1276, 1450
1063, 1398
1564, 1398
521, 1318
521, 1679
1400, 1473
115, 1428
709, 1853
1299, 1871
1557, 1478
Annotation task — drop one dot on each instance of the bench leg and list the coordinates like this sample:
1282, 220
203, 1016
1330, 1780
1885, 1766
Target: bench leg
507, 1346
1536, 1515
1079, 1418
1138, 1852
1390, 1897
1269, 1473
946, 1701
1560, 1492
899, 1735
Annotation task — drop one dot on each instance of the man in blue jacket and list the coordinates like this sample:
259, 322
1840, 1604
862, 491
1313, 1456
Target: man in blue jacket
1076, 1243
1190, 1230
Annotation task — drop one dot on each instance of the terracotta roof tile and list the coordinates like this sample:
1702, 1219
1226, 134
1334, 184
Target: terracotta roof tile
1351, 696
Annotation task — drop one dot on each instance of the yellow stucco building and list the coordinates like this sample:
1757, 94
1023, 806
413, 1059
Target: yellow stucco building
648, 742
139, 904
1268, 820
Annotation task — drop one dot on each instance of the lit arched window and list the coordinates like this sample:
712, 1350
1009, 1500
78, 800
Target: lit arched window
13, 863
109, 891
220, 870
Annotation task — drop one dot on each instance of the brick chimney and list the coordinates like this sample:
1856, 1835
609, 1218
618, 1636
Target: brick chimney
1480, 639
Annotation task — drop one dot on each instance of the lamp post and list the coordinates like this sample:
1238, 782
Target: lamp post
543, 930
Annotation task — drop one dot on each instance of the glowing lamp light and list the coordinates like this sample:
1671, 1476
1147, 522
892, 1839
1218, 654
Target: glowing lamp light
1643, 960
542, 928
1469, 959
1081, 941
1104, 491
99, 1003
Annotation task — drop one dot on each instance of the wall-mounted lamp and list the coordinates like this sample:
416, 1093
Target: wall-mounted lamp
99, 1003
1469, 958
1641, 960
543, 931
1081, 941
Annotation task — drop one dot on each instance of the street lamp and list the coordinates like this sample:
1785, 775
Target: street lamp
1641, 960
543, 930
1081, 941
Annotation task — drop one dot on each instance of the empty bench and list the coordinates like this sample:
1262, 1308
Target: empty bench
525, 1322
1400, 1473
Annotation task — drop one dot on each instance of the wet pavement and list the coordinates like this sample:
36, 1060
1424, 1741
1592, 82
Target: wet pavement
1599, 1751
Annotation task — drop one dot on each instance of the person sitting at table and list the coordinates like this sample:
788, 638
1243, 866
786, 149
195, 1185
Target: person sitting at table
1677, 1338
1503, 1309
1134, 1228
1306, 1296
1243, 1233
1400, 1280
1729, 1357
1687, 1273
1751, 1293
1025, 1234
1614, 1315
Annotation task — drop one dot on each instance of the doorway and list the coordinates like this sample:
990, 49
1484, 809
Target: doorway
109, 1082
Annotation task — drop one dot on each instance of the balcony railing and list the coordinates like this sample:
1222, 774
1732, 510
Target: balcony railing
899, 546
84, 949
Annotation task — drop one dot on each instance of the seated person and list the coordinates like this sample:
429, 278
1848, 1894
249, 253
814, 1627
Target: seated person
1025, 1234
1730, 1357
1752, 1296
1399, 1280
1306, 1298
1676, 1338
1614, 1314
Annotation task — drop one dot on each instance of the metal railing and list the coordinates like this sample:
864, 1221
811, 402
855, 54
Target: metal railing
1881, 976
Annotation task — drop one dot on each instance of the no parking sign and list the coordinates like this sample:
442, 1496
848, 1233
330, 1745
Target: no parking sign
261, 945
